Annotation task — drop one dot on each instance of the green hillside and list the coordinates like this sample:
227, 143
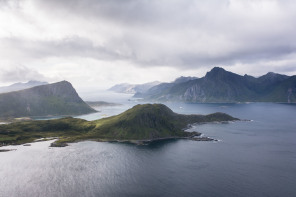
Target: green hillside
142, 122
52, 99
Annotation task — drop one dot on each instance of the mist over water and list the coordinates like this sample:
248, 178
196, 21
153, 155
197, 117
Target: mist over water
105, 95
251, 158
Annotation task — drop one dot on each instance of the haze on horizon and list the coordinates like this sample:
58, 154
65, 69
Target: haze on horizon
99, 43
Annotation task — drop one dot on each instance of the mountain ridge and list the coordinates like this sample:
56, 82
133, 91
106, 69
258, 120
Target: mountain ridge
219, 85
21, 86
52, 99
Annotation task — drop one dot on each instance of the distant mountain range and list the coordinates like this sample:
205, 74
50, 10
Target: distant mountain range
21, 86
158, 89
133, 88
219, 85
142, 88
52, 99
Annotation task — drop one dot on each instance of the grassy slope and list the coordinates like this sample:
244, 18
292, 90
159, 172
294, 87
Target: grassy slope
142, 122
52, 99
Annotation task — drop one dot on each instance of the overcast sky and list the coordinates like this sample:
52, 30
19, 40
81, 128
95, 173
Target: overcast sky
98, 43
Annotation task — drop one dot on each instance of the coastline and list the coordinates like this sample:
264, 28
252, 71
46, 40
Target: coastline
196, 136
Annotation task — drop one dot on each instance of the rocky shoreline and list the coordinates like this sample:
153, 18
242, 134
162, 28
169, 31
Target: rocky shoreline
195, 136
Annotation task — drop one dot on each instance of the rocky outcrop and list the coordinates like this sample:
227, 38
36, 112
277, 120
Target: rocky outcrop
194, 93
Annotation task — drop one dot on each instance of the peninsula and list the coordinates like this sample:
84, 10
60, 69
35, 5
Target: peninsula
147, 122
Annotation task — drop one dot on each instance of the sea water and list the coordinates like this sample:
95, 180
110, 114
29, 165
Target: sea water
252, 158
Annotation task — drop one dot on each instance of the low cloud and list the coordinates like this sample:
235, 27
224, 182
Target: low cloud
180, 34
67, 47
20, 74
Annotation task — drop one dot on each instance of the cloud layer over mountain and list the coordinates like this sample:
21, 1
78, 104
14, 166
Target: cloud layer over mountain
166, 38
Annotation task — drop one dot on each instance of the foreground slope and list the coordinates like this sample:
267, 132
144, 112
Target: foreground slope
219, 85
142, 122
52, 99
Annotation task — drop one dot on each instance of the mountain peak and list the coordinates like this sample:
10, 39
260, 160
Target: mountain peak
216, 72
270, 73
271, 76
217, 69
144, 111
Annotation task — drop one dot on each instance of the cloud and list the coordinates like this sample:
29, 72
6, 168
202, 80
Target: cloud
20, 74
186, 35
67, 47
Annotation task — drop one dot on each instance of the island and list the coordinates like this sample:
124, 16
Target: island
140, 124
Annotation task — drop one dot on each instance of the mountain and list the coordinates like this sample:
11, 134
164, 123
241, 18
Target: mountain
52, 99
219, 85
163, 87
21, 86
123, 88
142, 122
183, 79
133, 88
151, 121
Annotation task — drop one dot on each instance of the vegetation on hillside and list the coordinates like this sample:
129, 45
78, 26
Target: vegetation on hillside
142, 122
52, 99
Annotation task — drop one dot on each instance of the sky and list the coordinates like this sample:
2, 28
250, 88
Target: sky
95, 44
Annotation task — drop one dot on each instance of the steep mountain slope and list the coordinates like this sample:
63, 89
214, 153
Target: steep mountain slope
219, 85
53, 99
163, 88
21, 86
142, 122
183, 79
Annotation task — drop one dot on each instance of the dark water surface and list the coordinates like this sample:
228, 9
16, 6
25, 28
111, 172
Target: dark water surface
256, 158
